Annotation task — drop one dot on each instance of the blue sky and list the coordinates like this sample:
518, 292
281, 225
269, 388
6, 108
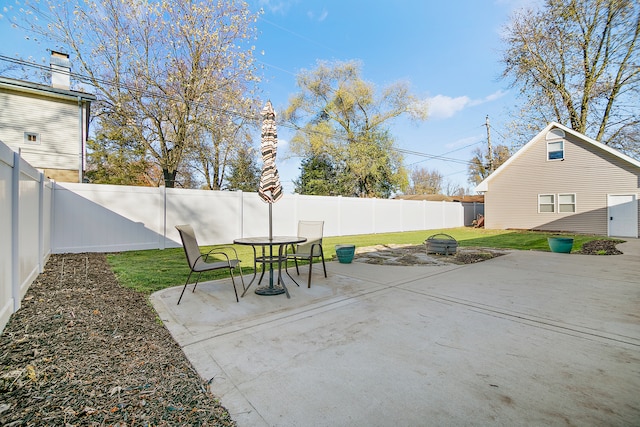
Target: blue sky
449, 51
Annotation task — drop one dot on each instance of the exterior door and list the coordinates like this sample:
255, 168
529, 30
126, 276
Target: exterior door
623, 215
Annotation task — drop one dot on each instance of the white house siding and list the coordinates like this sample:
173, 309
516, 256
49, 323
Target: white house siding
55, 120
512, 197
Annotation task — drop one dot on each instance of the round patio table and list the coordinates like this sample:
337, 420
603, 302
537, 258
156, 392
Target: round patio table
279, 242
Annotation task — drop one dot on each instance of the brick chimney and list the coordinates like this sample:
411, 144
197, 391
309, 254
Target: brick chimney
60, 70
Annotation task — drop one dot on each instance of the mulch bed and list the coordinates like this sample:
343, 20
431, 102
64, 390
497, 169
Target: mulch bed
82, 350
600, 247
407, 255
416, 255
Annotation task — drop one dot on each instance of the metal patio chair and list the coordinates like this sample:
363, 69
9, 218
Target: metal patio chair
198, 261
310, 249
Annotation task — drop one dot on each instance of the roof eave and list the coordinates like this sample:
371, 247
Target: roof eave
36, 88
484, 185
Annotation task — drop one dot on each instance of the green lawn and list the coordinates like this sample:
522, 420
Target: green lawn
152, 270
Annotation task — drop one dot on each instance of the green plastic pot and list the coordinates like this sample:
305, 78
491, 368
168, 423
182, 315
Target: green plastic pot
345, 253
560, 244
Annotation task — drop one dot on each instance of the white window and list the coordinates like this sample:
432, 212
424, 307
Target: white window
546, 203
555, 144
31, 138
566, 202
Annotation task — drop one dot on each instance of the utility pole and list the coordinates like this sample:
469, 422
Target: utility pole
489, 144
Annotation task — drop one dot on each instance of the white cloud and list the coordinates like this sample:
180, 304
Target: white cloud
512, 5
320, 17
444, 107
283, 143
277, 6
495, 95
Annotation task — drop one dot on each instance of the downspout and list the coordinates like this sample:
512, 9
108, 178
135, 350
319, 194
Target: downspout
81, 142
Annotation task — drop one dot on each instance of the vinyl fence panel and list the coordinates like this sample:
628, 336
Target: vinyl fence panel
6, 238
28, 225
413, 215
25, 197
320, 208
214, 215
107, 218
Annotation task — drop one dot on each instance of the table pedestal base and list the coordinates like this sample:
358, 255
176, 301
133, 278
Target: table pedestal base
269, 290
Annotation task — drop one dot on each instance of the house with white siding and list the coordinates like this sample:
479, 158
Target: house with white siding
48, 125
562, 180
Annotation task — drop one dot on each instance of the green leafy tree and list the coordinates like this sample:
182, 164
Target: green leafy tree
113, 159
318, 176
165, 70
576, 63
342, 117
245, 173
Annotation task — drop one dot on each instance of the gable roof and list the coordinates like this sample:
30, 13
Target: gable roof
40, 89
484, 185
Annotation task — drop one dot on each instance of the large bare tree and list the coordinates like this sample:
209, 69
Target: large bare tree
425, 181
577, 62
481, 165
159, 67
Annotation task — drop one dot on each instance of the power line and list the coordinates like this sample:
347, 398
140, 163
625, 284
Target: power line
253, 118
143, 92
433, 156
449, 152
261, 18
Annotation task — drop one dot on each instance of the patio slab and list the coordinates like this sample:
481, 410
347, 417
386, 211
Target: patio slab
526, 338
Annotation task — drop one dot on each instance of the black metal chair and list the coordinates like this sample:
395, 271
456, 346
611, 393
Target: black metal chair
198, 261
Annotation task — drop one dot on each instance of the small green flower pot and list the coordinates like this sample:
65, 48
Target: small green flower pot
345, 253
560, 244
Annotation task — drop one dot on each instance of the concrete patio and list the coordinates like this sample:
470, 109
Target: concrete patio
528, 338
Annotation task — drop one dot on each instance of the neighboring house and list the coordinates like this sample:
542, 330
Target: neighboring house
48, 125
562, 180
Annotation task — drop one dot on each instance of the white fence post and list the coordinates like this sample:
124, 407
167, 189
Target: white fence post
241, 210
163, 212
41, 223
15, 232
340, 216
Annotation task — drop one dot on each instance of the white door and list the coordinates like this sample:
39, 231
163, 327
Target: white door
623, 215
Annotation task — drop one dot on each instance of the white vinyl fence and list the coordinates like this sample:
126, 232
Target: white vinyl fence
25, 229
39, 217
110, 218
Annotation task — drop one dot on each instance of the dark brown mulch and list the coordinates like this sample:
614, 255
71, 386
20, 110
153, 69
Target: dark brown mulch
471, 257
82, 350
600, 247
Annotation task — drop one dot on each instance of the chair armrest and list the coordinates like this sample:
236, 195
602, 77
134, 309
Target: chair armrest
217, 251
231, 248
